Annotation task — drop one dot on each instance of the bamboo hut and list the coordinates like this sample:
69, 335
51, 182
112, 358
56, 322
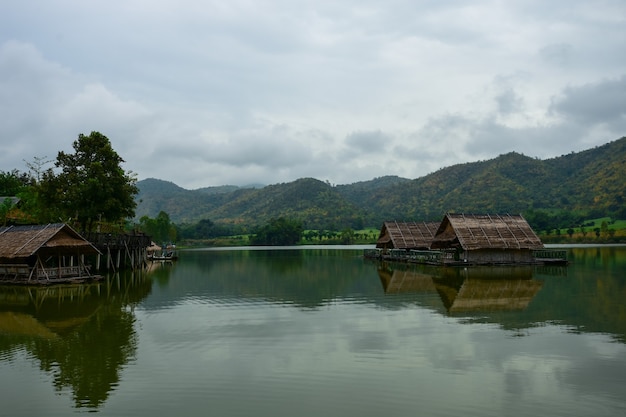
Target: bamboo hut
483, 239
406, 235
39, 254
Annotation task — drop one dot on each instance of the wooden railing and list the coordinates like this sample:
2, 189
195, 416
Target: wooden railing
62, 272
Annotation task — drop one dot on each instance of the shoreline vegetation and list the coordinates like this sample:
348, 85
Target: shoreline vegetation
560, 209
613, 234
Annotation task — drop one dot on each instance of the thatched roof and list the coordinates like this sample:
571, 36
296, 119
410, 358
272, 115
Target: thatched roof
18, 242
407, 235
485, 231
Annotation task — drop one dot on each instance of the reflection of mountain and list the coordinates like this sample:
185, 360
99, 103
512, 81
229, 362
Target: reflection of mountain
81, 334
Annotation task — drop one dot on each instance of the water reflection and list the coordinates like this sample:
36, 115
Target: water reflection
81, 335
483, 289
283, 327
476, 289
585, 297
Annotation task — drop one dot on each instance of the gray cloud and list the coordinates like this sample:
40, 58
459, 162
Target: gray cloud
207, 93
598, 102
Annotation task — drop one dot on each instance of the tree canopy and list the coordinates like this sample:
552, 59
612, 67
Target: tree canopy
160, 228
91, 185
278, 232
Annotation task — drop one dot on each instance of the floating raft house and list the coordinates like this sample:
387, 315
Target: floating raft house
465, 239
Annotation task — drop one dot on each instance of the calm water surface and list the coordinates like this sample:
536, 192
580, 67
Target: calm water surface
321, 332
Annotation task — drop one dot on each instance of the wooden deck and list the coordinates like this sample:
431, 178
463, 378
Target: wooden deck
22, 274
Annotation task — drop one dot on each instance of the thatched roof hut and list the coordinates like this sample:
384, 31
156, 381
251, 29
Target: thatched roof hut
406, 235
42, 252
485, 238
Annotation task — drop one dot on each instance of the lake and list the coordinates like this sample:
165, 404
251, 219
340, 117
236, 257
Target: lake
320, 331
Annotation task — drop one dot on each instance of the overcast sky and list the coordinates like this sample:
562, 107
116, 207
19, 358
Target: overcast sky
203, 92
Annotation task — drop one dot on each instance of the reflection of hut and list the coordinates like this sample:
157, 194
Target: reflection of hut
399, 281
15, 323
489, 295
487, 288
487, 239
43, 254
406, 235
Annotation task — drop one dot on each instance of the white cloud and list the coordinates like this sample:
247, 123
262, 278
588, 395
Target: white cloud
208, 93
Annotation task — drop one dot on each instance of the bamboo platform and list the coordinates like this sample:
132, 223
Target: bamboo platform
447, 257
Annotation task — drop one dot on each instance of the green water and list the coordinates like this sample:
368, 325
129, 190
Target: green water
321, 332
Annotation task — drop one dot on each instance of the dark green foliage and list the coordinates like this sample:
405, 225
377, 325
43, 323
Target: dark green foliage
91, 186
278, 232
13, 183
160, 229
206, 229
542, 220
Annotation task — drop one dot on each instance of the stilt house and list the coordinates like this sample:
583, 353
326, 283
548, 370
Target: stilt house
487, 239
406, 235
43, 254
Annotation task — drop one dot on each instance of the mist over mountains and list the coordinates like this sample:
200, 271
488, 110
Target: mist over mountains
591, 181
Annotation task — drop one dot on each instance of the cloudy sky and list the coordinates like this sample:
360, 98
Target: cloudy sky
204, 92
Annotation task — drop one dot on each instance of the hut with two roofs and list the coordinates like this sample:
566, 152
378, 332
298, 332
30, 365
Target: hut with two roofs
464, 239
43, 254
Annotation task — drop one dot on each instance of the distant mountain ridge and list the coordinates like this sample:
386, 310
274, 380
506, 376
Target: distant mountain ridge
591, 180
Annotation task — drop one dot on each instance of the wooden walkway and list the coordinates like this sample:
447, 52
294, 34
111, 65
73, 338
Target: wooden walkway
120, 250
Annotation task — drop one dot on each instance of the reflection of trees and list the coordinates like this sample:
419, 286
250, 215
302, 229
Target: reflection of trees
82, 334
307, 278
310, 278
90, 359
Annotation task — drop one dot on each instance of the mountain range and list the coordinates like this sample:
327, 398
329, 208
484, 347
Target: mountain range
591, 181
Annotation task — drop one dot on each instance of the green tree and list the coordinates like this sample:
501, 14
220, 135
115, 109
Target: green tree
347, 236
91, 186
604, 228
278, 232
12, 183
160, 228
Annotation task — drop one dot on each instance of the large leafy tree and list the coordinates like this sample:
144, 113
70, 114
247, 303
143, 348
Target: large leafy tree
91, 186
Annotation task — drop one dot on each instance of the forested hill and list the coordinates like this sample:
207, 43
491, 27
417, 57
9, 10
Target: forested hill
592, 181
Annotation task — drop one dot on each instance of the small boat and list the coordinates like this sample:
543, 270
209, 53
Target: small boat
167, 254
